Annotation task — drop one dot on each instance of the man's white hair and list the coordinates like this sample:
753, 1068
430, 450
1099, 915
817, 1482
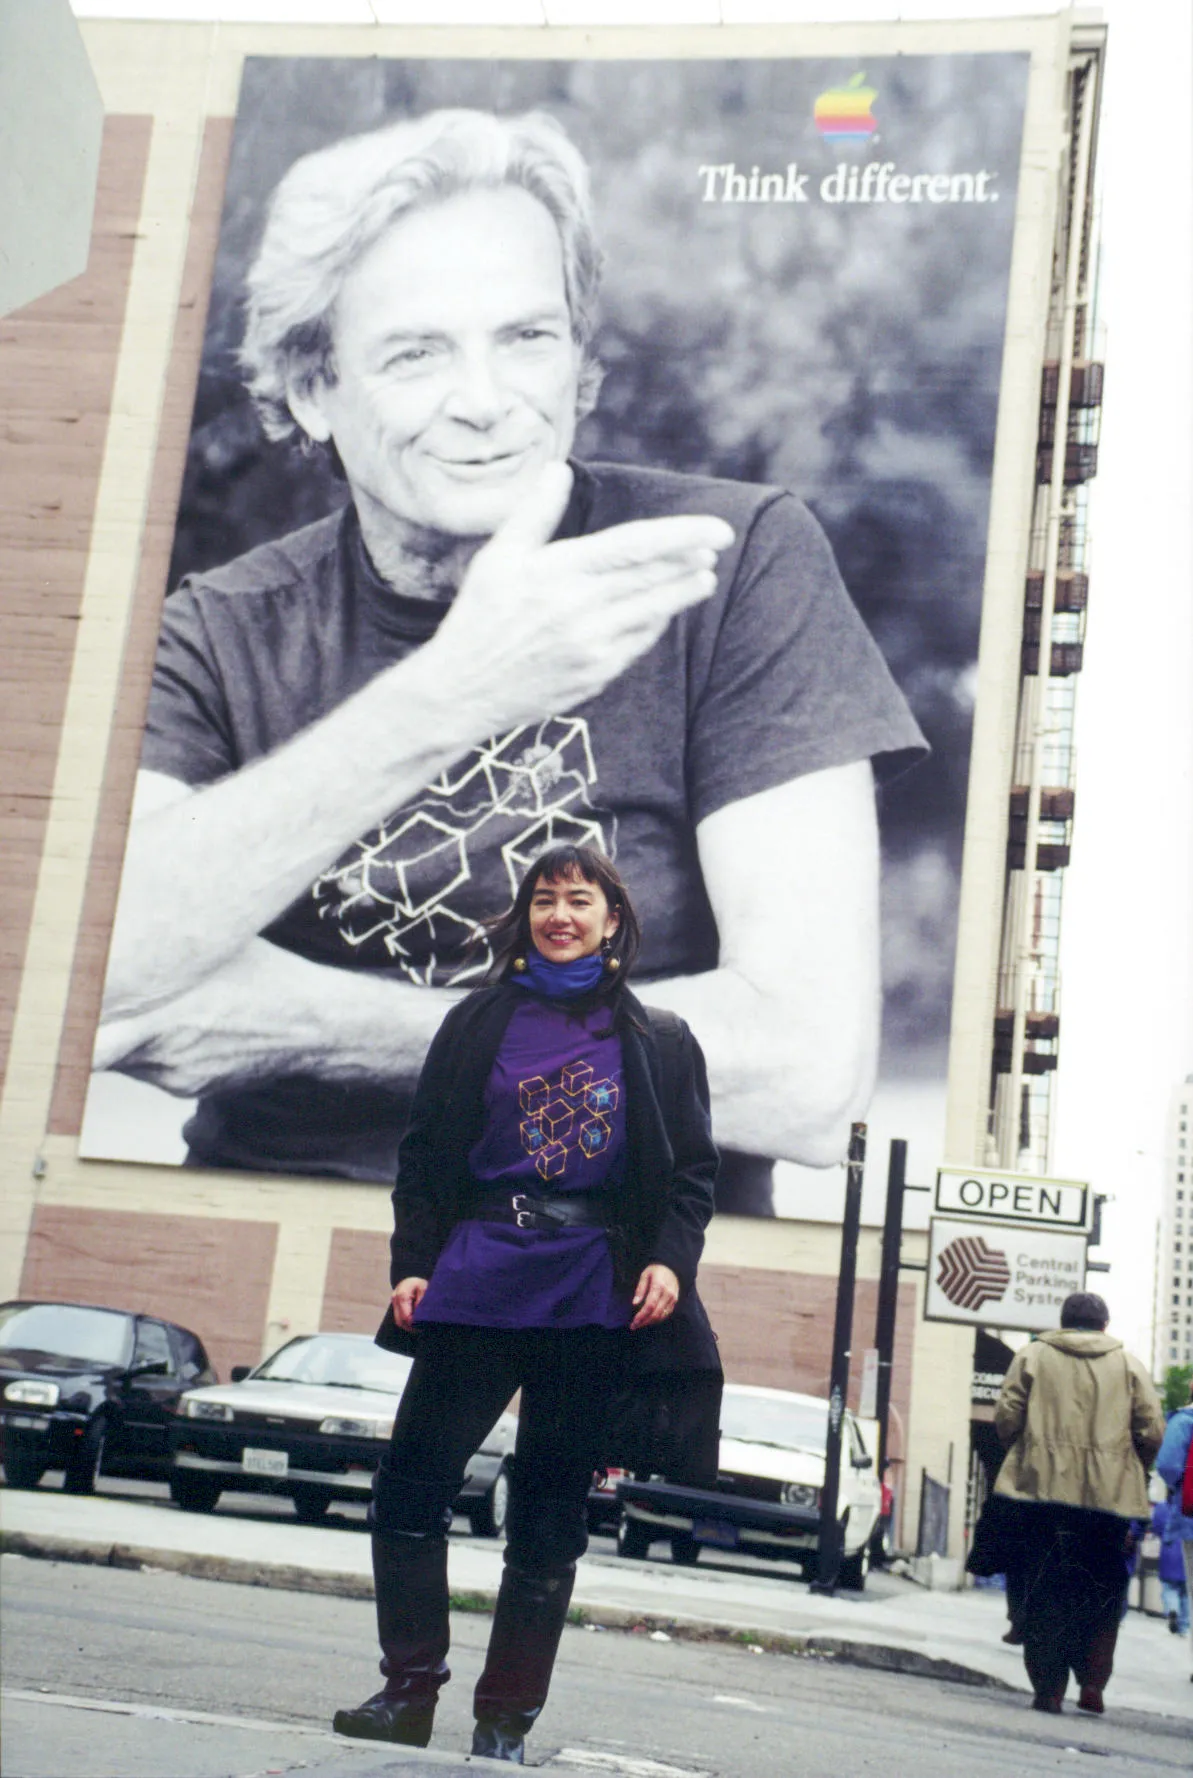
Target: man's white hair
333, 205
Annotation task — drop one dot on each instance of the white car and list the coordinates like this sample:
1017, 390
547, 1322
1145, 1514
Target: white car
770, 1479
312, 1422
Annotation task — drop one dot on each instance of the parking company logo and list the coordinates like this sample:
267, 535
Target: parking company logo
971, 1274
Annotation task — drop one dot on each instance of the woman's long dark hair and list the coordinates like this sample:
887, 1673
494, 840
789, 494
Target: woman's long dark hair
510, 937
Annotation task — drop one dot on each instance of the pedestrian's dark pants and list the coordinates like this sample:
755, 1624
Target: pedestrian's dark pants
1073, 1579
461, 1380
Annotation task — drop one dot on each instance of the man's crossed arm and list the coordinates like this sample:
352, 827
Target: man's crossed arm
789, 1020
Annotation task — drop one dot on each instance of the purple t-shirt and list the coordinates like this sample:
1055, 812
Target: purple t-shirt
554, 1123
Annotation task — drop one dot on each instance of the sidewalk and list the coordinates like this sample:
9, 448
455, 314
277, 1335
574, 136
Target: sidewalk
895, 1625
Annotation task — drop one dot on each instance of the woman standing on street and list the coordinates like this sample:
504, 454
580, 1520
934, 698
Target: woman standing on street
553, 1188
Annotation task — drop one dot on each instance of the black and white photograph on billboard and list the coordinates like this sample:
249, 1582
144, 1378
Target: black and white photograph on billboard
590, 451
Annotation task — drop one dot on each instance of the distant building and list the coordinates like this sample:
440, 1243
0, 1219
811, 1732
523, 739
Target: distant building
1174, 1266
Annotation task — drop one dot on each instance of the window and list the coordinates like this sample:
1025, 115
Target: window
153, 1347
193, 1359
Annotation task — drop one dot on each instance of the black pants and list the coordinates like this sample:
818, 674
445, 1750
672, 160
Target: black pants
461, 1380
1072, 1582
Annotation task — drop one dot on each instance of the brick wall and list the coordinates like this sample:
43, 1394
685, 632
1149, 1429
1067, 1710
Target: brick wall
210, 1274
58, 360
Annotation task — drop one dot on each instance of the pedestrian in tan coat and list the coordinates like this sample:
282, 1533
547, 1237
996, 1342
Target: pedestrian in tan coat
1082, 1423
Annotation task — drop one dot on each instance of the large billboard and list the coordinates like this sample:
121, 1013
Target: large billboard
402, 648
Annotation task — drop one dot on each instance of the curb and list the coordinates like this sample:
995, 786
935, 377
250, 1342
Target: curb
811, 1645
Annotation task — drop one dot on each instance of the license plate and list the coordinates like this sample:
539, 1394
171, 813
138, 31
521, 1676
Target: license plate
27, 1422
264, 1462
716, 1532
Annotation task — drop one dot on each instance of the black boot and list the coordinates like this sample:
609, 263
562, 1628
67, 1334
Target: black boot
503, 1740
410, 1583
527, 1624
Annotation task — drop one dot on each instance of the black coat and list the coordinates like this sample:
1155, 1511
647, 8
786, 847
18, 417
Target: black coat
658, 1212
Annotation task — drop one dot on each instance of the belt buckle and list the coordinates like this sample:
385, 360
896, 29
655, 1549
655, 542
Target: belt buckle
517, 1203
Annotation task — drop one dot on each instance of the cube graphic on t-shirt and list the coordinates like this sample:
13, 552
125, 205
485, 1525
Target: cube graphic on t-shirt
552, 1160
594, 1135
575, 1077
533, 1094
533, 1136
601, 1096
557, 1119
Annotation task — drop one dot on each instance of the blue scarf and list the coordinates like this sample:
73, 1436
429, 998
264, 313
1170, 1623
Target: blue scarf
560, 981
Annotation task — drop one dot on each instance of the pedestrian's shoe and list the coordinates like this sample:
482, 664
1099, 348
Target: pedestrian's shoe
1090, 1698
1174, 1628
505, 1740
1050, 1705
407, 1721
1014, 1635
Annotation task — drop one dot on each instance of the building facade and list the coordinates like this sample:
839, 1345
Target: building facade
1174, 1250
98, 382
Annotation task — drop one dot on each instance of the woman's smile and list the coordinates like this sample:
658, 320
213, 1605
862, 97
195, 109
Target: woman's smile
570, 919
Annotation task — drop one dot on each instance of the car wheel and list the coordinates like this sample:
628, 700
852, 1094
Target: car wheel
633, 1538
86, 1460
311, 1504
685, 1551
194, 1493
22, 1469
487, 1517
854, 1569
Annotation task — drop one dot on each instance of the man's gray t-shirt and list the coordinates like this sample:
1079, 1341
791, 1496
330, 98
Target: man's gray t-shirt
773, 677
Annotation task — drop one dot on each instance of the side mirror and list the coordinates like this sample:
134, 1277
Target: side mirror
239, 1372
156, 1368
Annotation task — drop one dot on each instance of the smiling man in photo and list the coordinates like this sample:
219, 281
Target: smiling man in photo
360, 733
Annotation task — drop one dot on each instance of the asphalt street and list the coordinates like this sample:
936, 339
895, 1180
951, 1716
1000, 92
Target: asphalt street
118, 1674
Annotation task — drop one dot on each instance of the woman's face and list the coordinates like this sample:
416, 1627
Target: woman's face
570, 918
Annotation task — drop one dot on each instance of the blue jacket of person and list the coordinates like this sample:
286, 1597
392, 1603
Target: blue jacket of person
1171, 1459
1166, 1523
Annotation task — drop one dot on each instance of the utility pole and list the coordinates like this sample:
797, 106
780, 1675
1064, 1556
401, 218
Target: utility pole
828, 1564
888, 1291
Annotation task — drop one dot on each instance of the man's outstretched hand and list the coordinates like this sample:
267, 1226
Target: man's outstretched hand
540, 627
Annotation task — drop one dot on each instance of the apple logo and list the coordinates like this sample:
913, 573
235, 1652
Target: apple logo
843, 113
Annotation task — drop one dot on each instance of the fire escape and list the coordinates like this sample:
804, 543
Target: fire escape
1043, 792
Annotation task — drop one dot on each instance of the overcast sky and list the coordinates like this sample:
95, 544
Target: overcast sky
1127, 946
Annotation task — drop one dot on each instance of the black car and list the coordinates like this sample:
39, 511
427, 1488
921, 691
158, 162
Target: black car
84, 1387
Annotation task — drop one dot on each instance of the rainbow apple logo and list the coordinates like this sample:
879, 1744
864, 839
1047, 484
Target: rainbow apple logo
843, 114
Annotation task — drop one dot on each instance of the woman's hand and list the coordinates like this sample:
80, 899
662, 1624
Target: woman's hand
655, 1298
406, 1298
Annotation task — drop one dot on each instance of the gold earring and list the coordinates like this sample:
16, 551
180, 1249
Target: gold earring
519, 965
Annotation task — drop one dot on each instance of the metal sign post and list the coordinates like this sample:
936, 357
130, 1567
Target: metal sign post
888, 1290
829, 1559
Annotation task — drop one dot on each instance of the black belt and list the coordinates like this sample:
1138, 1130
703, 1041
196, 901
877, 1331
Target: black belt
565, 1210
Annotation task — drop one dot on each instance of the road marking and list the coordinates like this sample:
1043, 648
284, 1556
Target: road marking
589, 1760
742, 1703
160, 1713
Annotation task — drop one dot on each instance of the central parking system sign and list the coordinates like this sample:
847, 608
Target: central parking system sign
990, 1274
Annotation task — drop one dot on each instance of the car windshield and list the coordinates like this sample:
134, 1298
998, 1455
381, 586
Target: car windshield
766, 1420
100, 1335
347, 1363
